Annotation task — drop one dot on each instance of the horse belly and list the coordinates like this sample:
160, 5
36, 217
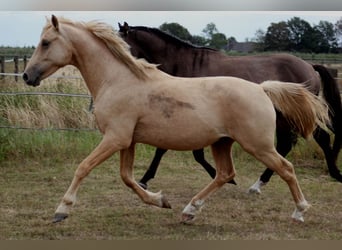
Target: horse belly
179, 132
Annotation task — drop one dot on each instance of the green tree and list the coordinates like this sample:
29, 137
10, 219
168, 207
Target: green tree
338, 30
198, 40
301, 35
277, 37
327, 41
209, 30
214, 38
218, 41
176, 30
259, 39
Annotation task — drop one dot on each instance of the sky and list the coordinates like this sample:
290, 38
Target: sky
23, 28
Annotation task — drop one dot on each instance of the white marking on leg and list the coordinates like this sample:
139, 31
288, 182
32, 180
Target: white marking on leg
66, 204
256, 187
190, 211
301, 208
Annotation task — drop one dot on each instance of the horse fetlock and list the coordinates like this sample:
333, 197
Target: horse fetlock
301, 208
64, 207
164, 202
143, 185
158, 199
256, 187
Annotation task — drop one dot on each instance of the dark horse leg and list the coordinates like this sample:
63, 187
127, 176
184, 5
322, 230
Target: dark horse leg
198, 155
151, 171
323, 139
332, 96
285, 140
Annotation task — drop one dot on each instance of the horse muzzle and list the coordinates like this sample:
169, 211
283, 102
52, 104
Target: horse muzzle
31, 78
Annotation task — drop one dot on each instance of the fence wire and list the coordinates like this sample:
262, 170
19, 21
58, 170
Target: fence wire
50, 129
49, 94
55, 94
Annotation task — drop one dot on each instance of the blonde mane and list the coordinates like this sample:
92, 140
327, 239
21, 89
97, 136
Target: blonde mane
116, 45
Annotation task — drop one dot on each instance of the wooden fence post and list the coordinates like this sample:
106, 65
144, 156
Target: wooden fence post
16, 67
25, 62
2, 67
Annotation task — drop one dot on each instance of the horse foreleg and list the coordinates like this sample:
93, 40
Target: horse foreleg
103, 151
126, 172
152, 169
221, 151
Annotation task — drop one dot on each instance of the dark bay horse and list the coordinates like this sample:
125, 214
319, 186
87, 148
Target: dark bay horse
180, 58
137, 103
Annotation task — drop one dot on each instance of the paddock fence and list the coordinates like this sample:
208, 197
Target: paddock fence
17, 64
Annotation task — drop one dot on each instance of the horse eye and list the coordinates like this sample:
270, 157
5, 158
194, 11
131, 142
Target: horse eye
45, 43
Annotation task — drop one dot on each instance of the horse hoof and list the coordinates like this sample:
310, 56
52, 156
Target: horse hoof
143, 185
254, 191
232, 182
59, 217
187, 218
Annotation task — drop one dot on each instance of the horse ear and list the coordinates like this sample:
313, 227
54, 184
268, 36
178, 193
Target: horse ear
54, 21
124, 28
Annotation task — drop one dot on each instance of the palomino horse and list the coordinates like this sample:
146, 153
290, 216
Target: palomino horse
180, 58
137, 103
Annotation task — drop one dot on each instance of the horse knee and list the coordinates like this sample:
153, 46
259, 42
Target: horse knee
81, 172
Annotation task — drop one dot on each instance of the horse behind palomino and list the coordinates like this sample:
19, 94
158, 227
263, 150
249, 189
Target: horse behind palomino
137, 103
183, 59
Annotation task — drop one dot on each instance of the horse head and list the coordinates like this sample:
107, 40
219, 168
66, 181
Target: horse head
52, 53
124, 29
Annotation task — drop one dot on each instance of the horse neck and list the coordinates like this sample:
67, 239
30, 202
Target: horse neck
152, 47
97, 65
157, 50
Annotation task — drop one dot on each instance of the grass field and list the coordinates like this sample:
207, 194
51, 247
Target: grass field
31, 188
36, 167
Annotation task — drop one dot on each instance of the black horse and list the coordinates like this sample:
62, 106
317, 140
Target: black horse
180, 58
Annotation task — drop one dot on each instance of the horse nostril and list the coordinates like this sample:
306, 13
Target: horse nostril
25, 77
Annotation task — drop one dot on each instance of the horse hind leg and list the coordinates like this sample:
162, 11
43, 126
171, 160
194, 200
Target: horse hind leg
225, 172
285, 170
285, 140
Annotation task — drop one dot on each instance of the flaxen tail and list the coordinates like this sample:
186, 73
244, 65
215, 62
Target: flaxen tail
302, 109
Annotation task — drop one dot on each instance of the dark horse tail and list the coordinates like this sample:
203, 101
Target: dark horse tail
331, 94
